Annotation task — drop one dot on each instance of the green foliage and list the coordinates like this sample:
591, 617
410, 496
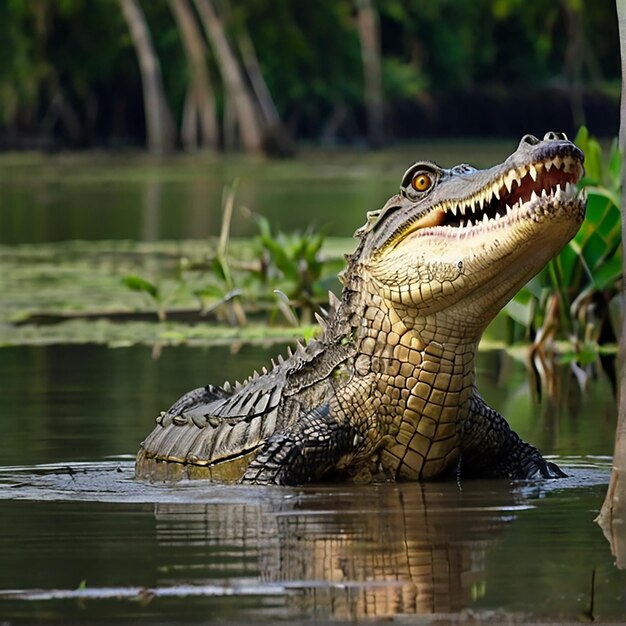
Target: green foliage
291, 264
573, 297
309, 54
285, 274
158, 294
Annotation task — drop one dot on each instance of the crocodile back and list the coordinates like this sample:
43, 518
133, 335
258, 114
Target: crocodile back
210, 432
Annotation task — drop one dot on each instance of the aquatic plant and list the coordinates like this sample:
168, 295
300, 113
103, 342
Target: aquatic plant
158, 293
291, 265
222, 294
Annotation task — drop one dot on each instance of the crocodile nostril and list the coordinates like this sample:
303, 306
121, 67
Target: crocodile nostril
529, 139
552, 136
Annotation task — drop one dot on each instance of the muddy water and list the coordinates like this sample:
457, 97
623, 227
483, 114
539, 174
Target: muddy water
82, 540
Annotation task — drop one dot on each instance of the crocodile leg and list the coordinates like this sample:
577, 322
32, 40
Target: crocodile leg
492, 449
304, 452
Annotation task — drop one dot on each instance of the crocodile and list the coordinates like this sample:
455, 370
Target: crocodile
387, 390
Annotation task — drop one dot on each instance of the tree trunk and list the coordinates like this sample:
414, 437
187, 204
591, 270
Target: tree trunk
230, 124
612, 518
248, 116
369, 35
574, 57
277, 139
196, 53
159, 125
189, 123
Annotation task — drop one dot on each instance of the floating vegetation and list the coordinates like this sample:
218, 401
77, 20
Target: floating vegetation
79, 292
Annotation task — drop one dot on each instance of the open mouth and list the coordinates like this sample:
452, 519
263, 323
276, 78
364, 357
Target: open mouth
551, 181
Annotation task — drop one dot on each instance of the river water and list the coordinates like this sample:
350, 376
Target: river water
82, 540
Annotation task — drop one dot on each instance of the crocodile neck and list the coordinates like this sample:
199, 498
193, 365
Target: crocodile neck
416, 373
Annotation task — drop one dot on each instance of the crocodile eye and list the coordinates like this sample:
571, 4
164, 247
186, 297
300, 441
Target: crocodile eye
422, 181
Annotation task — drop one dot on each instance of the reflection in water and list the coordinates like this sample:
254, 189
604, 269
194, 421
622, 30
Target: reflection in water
380, 551
238, 553
341, 552
151, 210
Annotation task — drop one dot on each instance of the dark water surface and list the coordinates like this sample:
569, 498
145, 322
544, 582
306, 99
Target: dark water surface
82, 541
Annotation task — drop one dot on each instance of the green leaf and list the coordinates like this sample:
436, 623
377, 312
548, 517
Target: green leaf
593, 160
521, 308
210, 292
265, 230
608, 273
602, 193
217, 268
136, 283
582, 137
594, 251
615, 165
567, 262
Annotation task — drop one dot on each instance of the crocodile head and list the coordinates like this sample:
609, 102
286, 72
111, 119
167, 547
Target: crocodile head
458, 243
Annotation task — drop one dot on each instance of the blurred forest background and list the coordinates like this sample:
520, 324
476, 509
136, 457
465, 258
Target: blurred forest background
265, 75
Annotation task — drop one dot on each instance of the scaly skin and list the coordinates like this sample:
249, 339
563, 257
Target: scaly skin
388, 388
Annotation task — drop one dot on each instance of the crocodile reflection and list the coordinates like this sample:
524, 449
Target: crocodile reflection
348, 552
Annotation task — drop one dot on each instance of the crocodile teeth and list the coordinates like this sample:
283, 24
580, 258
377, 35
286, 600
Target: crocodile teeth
533, 172
559, 193
533, 196
485, 218
509, 178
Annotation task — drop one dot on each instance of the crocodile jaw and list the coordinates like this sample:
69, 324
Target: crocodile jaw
466, 256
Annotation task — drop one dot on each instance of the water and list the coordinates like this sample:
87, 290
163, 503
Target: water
82, 540
86, 197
